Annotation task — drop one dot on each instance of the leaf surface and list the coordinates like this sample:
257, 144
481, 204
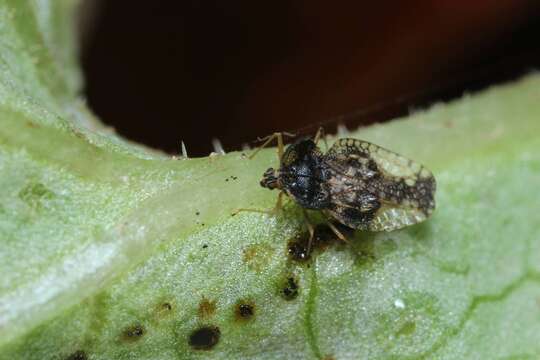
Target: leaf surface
110, 250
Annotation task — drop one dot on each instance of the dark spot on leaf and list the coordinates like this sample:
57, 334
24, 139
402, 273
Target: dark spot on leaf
244, 310
204, 246
133, 333
410, 325
197, 213
163, 309
207, 308
77, 355
204, 338
289, 289
166, 306
257, 256
407, 329
234, 177
34, 193
298, 248
227, 179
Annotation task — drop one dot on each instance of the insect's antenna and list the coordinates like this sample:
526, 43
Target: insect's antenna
284, 133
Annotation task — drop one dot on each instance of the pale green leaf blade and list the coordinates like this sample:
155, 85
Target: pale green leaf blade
110, 250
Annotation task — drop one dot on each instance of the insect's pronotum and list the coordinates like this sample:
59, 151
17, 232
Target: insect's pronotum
357, 183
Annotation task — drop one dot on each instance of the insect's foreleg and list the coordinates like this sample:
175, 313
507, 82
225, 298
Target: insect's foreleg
262, 211
279, 203
273, 211
267, 140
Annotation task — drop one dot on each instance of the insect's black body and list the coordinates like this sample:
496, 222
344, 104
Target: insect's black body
303, 175
357, 183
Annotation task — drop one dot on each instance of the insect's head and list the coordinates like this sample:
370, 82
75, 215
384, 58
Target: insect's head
270, 179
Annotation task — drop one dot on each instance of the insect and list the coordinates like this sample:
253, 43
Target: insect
357, 183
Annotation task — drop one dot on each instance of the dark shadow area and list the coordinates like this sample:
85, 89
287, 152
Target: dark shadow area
165, 71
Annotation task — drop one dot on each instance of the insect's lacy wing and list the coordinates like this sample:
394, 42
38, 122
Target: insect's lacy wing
404, 188
356, 211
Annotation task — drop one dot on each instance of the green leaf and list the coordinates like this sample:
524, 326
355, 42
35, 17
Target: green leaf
110, 250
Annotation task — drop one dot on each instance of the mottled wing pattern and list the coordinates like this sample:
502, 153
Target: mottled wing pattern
376, 189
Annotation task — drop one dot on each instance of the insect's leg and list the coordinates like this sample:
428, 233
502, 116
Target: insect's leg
337, 232
272, 211
262, 211
311, 230
267, 140
320, 134
279, 203
280, 147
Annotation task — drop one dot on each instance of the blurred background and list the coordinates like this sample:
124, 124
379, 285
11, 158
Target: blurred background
163, 71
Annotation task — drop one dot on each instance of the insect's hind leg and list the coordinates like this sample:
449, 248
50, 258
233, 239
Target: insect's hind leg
337, 232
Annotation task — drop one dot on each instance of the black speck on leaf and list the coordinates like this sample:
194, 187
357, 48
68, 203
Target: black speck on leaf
290, 289
133, 333
298, 248
204, 338
244, 310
